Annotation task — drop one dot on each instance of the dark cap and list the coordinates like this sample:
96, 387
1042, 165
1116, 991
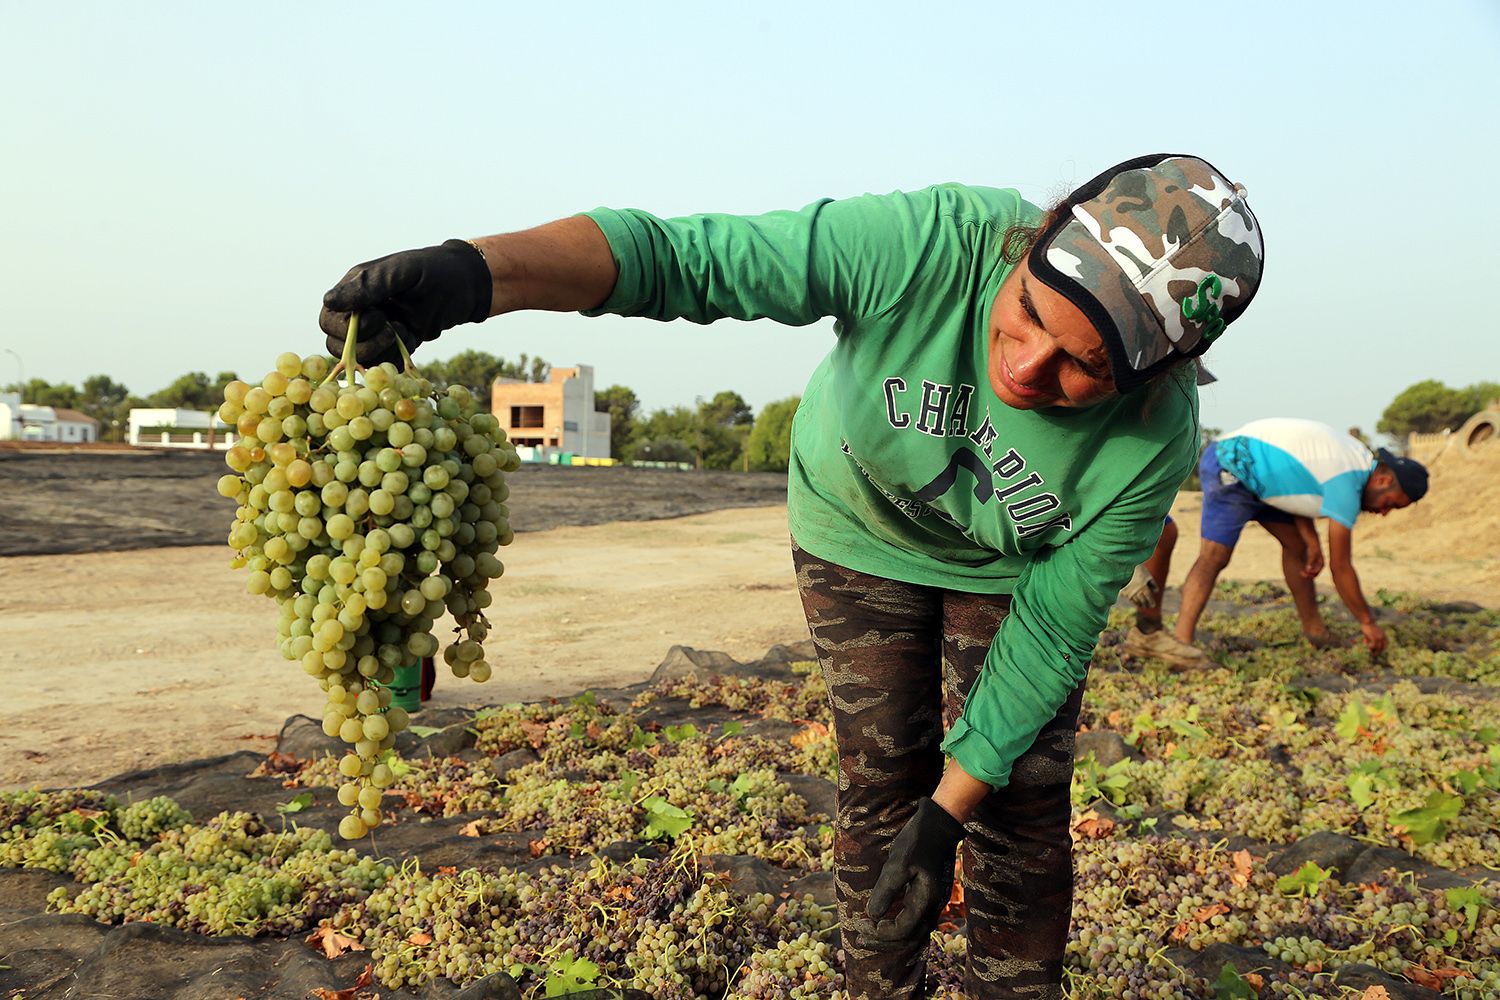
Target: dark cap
1411, 474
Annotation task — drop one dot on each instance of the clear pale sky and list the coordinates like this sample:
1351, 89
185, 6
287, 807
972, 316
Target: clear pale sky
181, 182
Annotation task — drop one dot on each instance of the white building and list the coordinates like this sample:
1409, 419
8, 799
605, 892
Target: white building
164, 427
29, 422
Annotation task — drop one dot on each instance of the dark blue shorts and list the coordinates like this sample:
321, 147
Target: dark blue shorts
1228, 507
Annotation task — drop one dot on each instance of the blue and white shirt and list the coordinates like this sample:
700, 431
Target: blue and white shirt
1299, 466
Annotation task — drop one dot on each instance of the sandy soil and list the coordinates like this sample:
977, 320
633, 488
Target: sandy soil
118, 660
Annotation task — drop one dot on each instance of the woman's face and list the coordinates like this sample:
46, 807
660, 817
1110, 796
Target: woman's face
1043, 350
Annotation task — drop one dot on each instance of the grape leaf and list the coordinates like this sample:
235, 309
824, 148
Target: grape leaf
569, 974
731, 729
1361, 790
677, 734
1467, 901
1429, 822
422, 732
1352, 719
1304, 881
298, 804
664, 820
1232, 986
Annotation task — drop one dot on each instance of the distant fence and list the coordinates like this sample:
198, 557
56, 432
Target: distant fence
1426, 447
1477, 432
180, 437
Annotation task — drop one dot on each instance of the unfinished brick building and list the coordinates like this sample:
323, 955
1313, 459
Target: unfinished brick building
553, 416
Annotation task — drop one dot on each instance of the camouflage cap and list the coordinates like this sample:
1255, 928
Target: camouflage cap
1161, 253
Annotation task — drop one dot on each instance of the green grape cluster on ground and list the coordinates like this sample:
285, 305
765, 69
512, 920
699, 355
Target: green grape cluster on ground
365, 512
1273, 743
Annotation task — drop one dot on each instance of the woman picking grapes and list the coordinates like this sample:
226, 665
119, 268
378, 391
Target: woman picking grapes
977, 466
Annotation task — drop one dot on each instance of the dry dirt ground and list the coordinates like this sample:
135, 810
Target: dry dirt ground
117, 660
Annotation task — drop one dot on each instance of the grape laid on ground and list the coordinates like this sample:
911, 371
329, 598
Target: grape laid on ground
618, 844
365, 512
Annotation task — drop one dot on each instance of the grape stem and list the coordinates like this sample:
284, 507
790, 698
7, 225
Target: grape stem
411, 369
349, 342
347, 363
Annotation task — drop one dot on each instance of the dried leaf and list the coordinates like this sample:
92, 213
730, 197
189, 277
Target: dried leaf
1200, 915
277, 762
956, 907
419, 938
815, 732
539, 846
593, 731
1255, 979
1433, 979
1115, 718
536, 733
1092, 826
1375, 993
1205, 913
1243, 863
365, 978
447, 870
470, 829
331, 943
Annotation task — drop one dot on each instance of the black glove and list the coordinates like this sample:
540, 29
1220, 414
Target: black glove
921, 865
414, 295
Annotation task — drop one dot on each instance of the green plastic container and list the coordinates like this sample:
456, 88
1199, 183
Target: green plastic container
406, 687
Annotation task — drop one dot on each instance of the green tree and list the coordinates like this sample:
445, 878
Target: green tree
477, 371
622, 406
724, 424
1426, 408
769, 446
727, 409
1483, 394
107, 401
674, 435
40, 392
193, 391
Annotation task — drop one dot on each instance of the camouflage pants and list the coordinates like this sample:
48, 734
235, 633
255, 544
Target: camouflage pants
899, 660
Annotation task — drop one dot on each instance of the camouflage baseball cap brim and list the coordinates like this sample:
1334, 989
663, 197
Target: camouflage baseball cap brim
1161, 253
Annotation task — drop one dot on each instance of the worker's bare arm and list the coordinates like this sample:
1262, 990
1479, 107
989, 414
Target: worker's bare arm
564, 266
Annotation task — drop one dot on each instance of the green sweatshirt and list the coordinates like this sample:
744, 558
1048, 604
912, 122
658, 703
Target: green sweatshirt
905, 464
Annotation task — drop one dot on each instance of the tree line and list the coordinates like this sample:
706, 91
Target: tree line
722, 432
717, 433
1430, 406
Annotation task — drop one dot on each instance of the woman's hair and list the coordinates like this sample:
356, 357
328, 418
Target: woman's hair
1017, 242
1020, 238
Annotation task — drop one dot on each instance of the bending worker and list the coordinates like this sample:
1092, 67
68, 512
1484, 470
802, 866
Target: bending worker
1283, 472
977, 465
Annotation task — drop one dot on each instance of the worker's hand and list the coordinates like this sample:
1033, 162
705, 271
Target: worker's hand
919, 872
1142, 590
1374, 638
414, 295
1314, 564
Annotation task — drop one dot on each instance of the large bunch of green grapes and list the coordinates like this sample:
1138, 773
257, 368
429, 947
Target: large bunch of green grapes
366, 511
